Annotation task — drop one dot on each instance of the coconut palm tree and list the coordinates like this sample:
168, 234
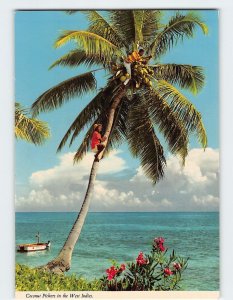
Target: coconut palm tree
150, 106
29, 129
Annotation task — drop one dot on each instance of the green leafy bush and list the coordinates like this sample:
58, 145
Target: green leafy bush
155, 271
28, 279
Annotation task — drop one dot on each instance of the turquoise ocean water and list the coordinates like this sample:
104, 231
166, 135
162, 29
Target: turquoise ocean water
121, 236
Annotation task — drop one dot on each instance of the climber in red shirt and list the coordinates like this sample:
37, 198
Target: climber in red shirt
96, 140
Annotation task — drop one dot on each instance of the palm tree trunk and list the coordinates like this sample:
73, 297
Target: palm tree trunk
62, 262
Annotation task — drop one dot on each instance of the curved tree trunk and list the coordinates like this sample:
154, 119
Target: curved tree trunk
62, 262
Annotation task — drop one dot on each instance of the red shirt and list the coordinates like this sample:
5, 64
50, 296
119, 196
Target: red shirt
96, 139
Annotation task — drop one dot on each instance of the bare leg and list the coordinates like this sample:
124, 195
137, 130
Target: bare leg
100, 148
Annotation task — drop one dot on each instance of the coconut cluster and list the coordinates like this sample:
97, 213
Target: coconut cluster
141, 74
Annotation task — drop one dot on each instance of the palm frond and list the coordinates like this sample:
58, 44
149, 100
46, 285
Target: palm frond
77, 57
64, 91
116, 137
179, 26
129, 25
100, 25
90, 42
186, 76
86, 116
143, 141
186, 111
83, 148
29, 129
168, 123
138, 16
150, 25
94, 109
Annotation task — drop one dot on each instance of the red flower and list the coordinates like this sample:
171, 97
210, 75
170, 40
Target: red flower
167, 272
122, 268
111, 272
159, 244
140, 259
159, 240
177, 266
161, 247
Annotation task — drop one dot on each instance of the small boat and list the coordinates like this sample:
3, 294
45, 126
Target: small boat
34, 246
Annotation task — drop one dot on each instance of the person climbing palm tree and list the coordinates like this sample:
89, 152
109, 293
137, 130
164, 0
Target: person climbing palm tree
96, 140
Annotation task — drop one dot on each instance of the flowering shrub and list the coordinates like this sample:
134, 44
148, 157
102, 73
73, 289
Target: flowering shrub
154, 271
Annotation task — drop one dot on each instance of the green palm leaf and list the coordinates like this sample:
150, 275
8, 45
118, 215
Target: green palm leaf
32, 130
186, 76
99, 25
90, 42
91, 112
64, 91
168, 123
129, 25
83, 148
116, 137
86, 116
143, 141
150, 25
179, 26
77, 57
186, 111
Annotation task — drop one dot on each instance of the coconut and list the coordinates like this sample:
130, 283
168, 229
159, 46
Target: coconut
123, 78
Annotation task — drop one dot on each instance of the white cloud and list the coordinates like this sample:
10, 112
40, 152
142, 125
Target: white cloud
62, 188
68, 171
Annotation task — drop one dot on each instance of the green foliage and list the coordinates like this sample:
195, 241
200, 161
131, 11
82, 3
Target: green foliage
148, 149
57, 95
179, 27
92, 43
29, 129
28, 279
101, 26
167, 122
157, 271
185, 110
94, 112
78, 57
186, 76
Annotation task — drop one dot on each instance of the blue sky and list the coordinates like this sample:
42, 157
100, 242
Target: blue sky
35, 33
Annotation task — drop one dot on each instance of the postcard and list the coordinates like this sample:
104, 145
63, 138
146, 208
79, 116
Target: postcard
117, 154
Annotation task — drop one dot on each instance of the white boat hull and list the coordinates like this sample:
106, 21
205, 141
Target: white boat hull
33, 247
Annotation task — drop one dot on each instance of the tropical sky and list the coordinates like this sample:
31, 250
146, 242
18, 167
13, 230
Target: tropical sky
48, 181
